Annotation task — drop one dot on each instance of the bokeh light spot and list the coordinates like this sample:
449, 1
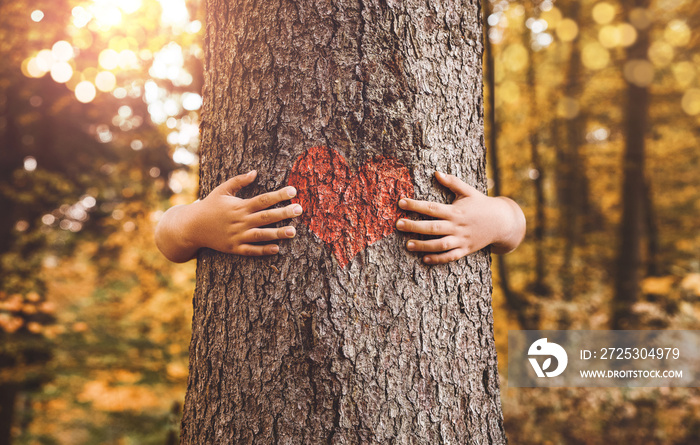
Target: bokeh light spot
684, 72
62, 51
553, 17
677, 33
124, 111
515, 57
85, 92
191, 101
44, 60
594, 56
639, 72
130, 6
508, 92
609, 36
691, 101
640, 18
105, 81
108, 59
628, 34
37, 15
661, 53
603, 13
30, 163
567, 30
33, 69
61, 72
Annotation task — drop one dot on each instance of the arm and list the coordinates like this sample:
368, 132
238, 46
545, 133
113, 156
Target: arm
472, 222
226, 223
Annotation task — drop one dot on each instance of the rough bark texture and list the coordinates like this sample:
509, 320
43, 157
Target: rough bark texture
300, 348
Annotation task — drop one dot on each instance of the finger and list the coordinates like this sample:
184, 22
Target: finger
445, 257
270, 216
255, 250
233, 185
259, 235
266, 200
424, 227
455, 184
434, 209
434, 245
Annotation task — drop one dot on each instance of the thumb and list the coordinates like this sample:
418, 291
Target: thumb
233, 185
458, 187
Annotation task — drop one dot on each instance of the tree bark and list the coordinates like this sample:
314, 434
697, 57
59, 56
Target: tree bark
300, 347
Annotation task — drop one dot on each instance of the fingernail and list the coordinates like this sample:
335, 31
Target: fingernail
290, 231
410, 245
275, 249
438, 174
297, 209
291, 192
400, 224
402, 203
252, 172
428, 259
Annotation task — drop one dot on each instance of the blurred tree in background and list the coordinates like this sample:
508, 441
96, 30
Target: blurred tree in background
595, 108
99, 126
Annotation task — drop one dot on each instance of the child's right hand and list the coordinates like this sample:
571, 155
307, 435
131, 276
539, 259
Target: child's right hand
226, 223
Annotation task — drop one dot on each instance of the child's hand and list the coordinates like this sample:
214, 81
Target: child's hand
471, 222
226, 223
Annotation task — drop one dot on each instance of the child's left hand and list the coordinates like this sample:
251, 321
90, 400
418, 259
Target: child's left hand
470, 223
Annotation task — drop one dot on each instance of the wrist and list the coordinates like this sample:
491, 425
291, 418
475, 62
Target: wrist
510, 227
189, 227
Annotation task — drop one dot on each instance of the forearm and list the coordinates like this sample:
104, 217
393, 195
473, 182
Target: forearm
172, 236
511, 228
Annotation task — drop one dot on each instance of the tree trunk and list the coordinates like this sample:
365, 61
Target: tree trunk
571, 170
539, 286
629, 259
8, 397
362, 100
514, 301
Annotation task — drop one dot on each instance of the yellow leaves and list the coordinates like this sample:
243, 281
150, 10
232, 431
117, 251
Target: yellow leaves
177, 371
106, 397
80, 326
658, 285
9, 323
691, 284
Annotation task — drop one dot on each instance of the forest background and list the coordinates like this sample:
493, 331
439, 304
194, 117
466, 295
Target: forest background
99, 103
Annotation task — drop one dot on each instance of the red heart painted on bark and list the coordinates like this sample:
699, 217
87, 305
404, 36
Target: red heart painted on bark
349, 211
